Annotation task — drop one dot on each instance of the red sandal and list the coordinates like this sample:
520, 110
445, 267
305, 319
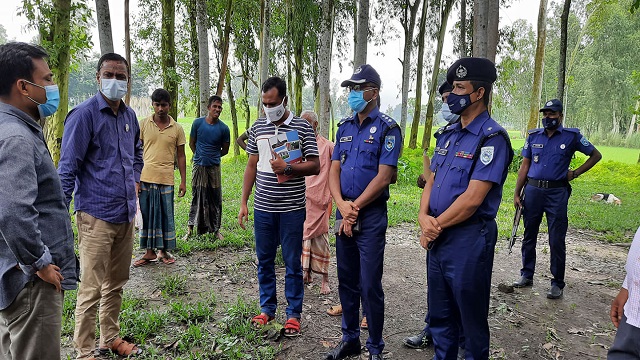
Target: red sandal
121, 347
261, 320
292, 327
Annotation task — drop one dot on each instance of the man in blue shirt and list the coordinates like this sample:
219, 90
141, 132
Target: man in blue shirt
100, 166
364, 163
209, 142
546, 155
37, 262
458, 209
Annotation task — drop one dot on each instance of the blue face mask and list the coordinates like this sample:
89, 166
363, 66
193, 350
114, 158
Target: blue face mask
356, 100
447, 115
459, 103
550, 123
53, 100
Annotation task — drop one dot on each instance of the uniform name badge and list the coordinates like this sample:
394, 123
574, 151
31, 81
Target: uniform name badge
486, 154
345, 139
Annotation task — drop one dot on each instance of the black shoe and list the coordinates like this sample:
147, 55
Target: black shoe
523, 282
554, 293
375, 357
343, 350
420, 341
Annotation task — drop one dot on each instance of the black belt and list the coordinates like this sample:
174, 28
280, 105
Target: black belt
548, 184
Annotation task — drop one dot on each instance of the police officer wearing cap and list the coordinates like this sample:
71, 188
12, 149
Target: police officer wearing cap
457, 213
545, 176
363, 165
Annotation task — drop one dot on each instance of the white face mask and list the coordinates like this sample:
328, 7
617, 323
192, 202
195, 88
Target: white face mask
113, 89
275, 113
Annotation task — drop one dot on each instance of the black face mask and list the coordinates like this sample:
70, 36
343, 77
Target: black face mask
550, 123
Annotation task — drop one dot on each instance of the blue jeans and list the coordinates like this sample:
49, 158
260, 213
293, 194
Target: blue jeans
271, 230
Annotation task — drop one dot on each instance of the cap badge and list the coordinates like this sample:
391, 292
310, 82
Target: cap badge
373, 129
562, 146
358, 70
549, 103
461, 71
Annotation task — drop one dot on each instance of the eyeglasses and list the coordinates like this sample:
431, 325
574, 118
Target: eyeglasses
360, 88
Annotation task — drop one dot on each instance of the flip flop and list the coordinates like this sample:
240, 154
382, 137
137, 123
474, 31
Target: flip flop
335, 310
142, 262
168, 260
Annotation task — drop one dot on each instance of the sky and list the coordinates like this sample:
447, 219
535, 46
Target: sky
386, 62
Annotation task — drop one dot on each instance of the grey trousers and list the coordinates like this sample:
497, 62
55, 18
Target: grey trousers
626, 345
30, 327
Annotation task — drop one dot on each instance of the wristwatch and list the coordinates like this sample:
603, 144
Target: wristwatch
288, 170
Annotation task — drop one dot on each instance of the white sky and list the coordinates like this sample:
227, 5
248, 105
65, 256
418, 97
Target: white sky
387, 64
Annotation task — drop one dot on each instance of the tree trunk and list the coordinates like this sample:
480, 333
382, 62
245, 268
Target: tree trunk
409, 21
203, 55
442, 31
168, 53
289, 41
539, 67
60, 31
234, 115
562, 62
264, 42
225, 47
104, 26
192, 13
324, 66
463, 28
413, 136
486, 15
299, 79
362, 34
127, 48
244, 65
634, 119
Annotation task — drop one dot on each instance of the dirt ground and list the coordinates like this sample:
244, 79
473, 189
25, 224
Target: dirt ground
524, 324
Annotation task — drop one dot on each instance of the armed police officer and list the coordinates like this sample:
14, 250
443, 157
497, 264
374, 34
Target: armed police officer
364, 163
458, 209
545, 176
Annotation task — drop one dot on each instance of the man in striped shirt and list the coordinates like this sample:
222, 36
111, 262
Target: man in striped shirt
279, 208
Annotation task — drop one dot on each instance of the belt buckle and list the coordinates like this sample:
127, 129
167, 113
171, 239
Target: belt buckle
544, 184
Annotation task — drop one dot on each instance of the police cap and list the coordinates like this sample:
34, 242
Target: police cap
553, 105
445, 87
472, 68
363, 74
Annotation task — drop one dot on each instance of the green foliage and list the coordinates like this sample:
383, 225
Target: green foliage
3, 35
173, 285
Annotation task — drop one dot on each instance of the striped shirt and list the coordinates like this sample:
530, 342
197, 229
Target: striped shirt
632, 283
271, 196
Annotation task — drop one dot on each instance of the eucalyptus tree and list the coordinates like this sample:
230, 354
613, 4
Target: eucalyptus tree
104, 26
486, 15
361, 33
324, 65
539, 66
168, 53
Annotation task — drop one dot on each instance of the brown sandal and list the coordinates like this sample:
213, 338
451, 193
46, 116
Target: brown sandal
335, 310
122, 348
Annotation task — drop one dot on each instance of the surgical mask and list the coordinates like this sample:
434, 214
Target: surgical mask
50, 106
447, 115
356, 100
550, 123
459, 103
113, 89
275, 113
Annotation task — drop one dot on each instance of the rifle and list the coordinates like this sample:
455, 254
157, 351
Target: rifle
516, 221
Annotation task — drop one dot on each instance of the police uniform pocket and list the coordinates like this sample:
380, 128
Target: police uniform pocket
368, 158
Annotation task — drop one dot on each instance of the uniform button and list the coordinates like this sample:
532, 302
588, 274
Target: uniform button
352, 168
356, 148
448, 164
438, 185
457, 143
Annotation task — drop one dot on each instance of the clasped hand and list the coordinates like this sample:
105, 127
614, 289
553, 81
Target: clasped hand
349, 212
430, 228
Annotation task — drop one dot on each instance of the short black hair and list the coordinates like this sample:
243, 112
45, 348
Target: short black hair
16, 62
487, 89
275, 82
112, 57
214, 98
159, 95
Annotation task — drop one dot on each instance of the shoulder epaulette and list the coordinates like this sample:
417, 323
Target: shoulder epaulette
343, 120
387, 119
533, 131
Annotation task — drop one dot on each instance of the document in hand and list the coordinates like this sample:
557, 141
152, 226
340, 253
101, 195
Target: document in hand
287, 145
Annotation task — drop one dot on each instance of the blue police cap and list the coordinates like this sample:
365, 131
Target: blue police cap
363, 74
553, 105
445, 87
472, 68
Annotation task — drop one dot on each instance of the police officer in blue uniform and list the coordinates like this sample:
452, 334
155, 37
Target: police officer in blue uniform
457, 213
364, 163
545, 176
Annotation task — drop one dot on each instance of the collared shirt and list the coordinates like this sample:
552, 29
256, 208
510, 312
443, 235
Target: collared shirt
101, 158
160, 148
457, 160
632, 283
270, 195
35, 227
361, 148
209, 141
550, 156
